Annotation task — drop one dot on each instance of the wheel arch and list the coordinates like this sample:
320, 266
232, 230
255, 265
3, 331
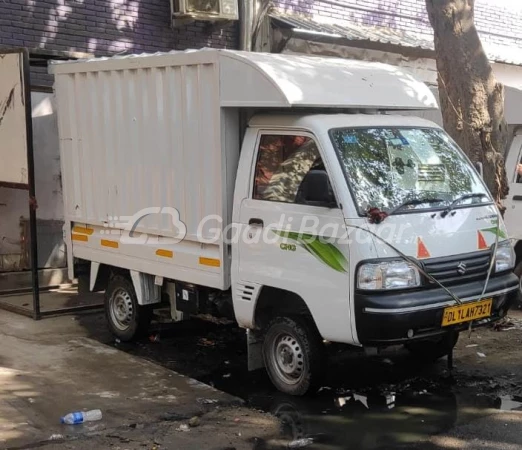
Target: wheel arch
147, 292
273, 302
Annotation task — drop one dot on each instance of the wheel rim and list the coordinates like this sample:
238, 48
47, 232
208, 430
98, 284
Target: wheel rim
287, 359
121, 309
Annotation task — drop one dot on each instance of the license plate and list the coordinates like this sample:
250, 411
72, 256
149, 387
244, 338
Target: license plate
467, 312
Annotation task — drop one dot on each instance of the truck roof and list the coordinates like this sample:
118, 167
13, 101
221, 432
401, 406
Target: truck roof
248, 79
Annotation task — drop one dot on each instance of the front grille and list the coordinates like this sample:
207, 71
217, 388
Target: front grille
446, 269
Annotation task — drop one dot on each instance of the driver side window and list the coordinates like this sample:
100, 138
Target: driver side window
289, 169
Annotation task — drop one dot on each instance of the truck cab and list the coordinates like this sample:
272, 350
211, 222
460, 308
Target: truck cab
376, 226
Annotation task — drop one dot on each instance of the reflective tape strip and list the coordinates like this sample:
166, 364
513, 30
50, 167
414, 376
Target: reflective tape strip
83, 230
165, 253
210, 262
110, 244
80, 237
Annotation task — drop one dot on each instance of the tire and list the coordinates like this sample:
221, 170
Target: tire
431, 351
294, 355
127, 320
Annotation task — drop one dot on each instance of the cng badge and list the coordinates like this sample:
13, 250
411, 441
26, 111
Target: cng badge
288, 247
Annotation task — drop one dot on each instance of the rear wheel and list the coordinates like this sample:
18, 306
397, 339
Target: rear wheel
127, 320
293, 354
433, 350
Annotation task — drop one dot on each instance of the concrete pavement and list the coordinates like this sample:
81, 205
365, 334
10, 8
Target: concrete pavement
52, 367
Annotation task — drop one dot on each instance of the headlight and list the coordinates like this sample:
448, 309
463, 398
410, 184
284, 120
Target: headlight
388, 275
504, 257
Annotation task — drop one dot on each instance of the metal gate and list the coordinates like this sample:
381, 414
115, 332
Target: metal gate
17, 172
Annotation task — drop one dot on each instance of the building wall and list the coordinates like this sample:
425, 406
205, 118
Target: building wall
100, 27
498, 21
103, 27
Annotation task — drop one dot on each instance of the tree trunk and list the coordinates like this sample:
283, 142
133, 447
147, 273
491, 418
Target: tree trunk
472, 101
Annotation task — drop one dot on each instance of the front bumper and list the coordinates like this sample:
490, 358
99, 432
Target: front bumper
385, 318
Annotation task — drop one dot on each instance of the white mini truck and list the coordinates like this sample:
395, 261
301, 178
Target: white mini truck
284, 190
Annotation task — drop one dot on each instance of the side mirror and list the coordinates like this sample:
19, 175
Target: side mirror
480, 169
316, 190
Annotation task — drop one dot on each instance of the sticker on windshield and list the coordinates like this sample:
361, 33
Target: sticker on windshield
350, 139
396, 142
403, 140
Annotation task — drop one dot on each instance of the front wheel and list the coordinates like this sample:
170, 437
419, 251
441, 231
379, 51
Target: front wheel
127, 320
294, 355
433, 350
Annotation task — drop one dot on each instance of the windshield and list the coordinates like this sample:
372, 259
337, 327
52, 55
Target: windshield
401, 169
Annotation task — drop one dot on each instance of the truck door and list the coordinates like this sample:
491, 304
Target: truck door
513, 215
289, 190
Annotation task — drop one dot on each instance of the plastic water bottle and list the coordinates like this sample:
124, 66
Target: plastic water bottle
81, 416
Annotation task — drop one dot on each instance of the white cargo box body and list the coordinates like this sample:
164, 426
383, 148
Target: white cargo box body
162, 130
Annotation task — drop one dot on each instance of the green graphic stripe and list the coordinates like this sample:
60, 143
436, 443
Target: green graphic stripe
496, 231
325, 252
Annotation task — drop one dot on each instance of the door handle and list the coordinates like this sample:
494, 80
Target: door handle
254, 221
517, 198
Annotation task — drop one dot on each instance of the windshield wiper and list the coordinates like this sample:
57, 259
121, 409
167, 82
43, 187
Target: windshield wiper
416, 201
461, 199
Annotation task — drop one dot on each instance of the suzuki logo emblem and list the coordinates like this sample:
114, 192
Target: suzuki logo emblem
462, 268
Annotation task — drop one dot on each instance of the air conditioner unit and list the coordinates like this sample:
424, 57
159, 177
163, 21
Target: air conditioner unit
205, 9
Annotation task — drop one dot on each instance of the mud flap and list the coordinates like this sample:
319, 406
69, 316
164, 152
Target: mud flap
255, 350
146, 290
95, 267
176, 316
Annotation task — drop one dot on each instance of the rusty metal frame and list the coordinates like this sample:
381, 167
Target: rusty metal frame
10, 185
24, 56
32, 183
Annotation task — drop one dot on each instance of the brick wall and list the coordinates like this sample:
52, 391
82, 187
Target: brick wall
499, 21
103, 27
